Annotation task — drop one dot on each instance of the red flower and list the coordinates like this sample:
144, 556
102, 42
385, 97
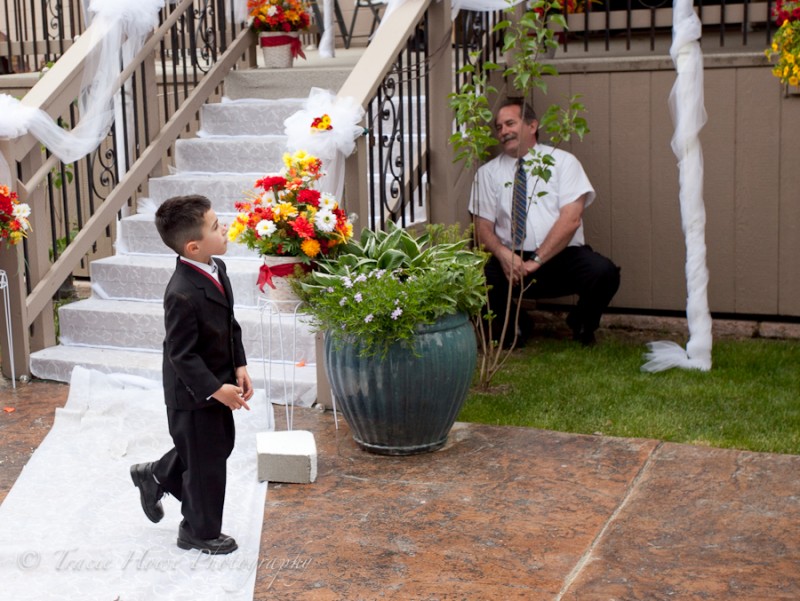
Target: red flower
6, 207
271, 181
309, 197
303, 227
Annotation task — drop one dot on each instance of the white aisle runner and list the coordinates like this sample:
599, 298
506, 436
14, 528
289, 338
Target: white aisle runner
72, 527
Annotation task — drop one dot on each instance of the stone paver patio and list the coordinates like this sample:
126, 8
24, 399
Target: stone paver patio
508, 513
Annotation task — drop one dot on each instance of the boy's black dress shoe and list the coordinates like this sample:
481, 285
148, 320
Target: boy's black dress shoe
150, 491
222, 545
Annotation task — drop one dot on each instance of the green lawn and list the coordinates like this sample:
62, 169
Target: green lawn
749, 400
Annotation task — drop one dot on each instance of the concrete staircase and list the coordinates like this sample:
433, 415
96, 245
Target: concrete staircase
120, 328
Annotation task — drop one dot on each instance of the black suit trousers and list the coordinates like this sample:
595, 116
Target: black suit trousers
194, 471
575, 270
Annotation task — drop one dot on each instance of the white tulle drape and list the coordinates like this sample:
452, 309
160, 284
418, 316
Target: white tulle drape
332, 146
326, 49
688, 111
119, 28
240, 11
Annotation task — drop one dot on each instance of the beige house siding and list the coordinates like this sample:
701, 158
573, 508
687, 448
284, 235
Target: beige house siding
752, 182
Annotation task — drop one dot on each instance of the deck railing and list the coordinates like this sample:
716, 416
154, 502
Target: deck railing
75, 206
637, 25
34, 33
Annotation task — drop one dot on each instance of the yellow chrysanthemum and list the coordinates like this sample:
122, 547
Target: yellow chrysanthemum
793, 80
284, 210
236, 228
310, 247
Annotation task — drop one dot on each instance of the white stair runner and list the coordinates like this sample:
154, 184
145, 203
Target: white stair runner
121, 328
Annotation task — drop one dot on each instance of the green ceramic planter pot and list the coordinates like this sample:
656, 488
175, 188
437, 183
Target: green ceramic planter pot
403, 404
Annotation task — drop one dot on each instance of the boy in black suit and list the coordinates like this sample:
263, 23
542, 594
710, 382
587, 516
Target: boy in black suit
205, 378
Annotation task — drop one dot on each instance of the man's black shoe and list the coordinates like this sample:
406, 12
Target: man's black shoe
222, 545
575, 326
150, 491
579, 332
587, 339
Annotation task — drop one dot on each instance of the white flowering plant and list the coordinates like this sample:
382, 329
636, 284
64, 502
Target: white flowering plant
380, 288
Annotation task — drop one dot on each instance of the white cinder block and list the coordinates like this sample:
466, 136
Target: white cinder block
287, 456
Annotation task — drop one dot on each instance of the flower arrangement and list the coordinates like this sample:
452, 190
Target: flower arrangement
14, 223
322, 123
382, 287
286, 216
786, 42
278, 15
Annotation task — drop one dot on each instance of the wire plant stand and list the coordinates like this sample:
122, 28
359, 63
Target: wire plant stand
9, 337
269, 311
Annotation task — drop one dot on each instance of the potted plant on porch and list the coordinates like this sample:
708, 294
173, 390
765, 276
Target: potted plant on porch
278, 24
400, 349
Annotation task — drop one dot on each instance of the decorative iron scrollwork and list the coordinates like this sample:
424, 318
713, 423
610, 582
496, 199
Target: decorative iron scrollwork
55, 20
205, 36
397, 121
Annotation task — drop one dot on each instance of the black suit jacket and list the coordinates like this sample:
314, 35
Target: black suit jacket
203, 342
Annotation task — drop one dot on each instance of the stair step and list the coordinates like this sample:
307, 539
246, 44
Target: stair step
137, 235
221, 189
120, 324
248, 117
145, 277
237, 154
284, 83
285, 381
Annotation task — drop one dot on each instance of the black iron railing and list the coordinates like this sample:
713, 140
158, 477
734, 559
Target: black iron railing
598, 26
399, 149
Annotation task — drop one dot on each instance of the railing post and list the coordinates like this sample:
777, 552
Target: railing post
12, 262
42, 326
150, 86
445, 205
356, 182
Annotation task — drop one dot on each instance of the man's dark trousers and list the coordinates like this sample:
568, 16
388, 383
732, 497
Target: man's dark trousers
575, 270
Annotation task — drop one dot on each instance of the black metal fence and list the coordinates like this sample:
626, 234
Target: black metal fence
36, 32
637, 25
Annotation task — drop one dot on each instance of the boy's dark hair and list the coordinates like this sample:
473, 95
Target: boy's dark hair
180, 219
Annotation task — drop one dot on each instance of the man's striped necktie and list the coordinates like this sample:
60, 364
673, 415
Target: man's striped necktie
519, 210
